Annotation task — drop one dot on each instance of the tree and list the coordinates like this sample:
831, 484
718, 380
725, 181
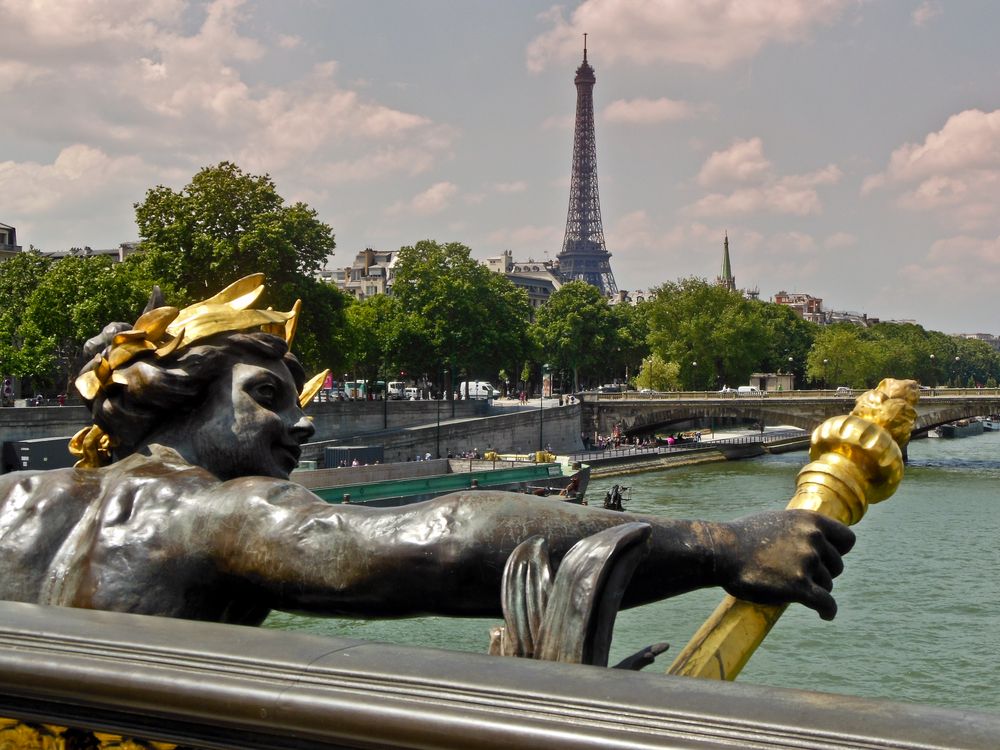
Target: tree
374, 325
73, 301
657, 375
788, 339
19, 276
455, 313
709, 331
226, 224
574, 330
630, 341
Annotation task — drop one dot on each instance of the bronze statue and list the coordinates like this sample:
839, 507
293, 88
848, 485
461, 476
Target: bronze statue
181, 504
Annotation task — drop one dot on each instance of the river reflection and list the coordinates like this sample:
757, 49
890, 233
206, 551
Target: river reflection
919, 601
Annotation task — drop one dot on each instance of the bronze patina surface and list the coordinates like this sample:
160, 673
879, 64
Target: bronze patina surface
182, 507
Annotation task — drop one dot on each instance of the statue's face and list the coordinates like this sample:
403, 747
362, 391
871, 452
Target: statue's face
251, 423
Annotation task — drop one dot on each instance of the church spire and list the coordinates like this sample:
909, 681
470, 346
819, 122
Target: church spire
726, 278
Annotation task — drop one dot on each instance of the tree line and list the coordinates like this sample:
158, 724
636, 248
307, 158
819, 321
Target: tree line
448, 317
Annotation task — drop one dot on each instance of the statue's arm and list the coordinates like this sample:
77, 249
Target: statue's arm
446, 556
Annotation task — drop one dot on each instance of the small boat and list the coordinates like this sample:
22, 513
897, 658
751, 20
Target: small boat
961, 428
403, 483
991, 424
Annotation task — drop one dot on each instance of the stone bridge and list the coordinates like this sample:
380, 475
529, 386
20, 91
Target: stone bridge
639, 413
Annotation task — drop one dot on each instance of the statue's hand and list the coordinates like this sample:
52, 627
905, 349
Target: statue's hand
784, 556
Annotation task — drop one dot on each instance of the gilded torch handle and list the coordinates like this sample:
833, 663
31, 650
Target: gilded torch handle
856, 461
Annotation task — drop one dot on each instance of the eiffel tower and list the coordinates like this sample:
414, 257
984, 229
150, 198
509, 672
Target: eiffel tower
583, 256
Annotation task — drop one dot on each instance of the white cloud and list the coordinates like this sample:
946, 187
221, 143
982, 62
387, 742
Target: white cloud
758, 189
559, 122
525, 241
648, 111
433, 200
14, 73
925, 12
742, 162
289, 41
78, 173
708, 33
174, 91
954, 173
963, 265
518, 186
839, 240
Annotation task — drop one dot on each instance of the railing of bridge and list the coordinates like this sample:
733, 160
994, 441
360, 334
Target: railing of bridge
925, 392
632, 451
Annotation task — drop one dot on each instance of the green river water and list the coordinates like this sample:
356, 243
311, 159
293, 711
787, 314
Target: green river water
919, 601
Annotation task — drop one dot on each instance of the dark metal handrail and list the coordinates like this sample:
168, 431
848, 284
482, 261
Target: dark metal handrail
220, 686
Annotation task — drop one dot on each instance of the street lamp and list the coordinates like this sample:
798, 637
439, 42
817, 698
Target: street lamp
933, 372
826, 382
955, 378
694, 374
541, 407
438, 399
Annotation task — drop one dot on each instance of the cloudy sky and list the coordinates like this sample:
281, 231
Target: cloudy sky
851, 148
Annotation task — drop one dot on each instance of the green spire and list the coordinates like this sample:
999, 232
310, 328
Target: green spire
726, 278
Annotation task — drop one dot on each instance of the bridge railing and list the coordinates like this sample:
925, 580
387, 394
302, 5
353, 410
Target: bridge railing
204, 685
631, 451
984, 393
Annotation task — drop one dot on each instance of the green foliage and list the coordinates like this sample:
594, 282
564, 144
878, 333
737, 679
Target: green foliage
373, 324
18, 278
845, 354
657, 375
226, 224
455, 314
712, 333
788, 338
575, 330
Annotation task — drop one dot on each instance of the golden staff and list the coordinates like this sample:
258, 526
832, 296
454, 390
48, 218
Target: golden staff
855, 460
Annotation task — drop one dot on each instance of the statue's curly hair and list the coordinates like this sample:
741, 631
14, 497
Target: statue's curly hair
150, 391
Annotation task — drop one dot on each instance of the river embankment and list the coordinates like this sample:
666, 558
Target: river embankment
713, 447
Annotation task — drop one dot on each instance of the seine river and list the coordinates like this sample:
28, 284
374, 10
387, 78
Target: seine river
919, 616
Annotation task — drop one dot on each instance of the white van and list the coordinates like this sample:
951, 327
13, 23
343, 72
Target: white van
411, 393
476, 390
395, 389
749, 390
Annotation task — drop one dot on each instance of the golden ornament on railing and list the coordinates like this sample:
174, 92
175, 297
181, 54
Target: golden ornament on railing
856, 460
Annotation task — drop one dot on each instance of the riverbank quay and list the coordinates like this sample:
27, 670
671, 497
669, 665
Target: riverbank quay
726, 446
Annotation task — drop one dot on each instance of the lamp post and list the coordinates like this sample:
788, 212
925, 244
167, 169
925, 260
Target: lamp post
694, 372
933, 372
791, 375
955, 378
438, 434
541, 408
826, 382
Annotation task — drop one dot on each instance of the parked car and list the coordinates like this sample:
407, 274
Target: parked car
844, 390
411, 393
749, 390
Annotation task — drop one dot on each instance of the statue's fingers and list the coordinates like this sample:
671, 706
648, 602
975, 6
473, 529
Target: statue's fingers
822, 602
831, 558
823, 578
838, 534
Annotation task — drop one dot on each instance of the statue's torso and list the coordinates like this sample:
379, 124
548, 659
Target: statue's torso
130, 537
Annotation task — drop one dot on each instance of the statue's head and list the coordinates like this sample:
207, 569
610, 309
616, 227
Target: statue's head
216, 381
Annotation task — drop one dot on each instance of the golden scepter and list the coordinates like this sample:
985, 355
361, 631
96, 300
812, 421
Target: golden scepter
855, 460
